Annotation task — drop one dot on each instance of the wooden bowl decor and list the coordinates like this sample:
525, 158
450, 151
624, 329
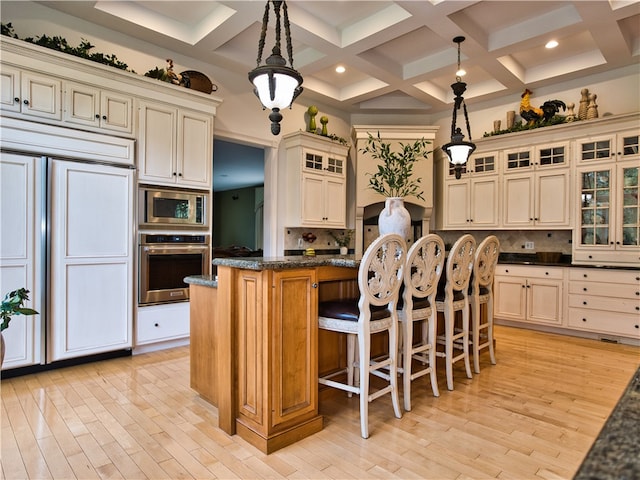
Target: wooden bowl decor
197, 81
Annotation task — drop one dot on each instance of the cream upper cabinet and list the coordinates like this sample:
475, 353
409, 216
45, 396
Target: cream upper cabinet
536, 187
31, 94
175, 146
472, 202
608, 207
531, 294
312, 176
88, 106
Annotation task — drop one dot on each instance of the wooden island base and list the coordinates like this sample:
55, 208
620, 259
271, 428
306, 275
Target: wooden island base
254, 346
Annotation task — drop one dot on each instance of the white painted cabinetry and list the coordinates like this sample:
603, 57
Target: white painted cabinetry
472, 202
89, 106
530, 294
536, 188
605, 301
91, 259
312, 175
31, 94
21, 255
608, 200
175, 146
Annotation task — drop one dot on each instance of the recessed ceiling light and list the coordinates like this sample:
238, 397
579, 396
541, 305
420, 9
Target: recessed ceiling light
551, 44
340, 69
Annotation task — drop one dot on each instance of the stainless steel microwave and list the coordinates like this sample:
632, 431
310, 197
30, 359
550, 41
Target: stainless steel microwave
172, 208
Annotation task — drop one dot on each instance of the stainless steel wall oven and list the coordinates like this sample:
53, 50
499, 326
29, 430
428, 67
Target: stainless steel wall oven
165, 259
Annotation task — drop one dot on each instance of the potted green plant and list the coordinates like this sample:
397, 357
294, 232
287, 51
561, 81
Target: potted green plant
343, 239
394, 179
12, 304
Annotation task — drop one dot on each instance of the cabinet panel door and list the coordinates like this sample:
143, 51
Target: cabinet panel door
81, 105
484, 202
544, 302
517, 204
456, 204
195, 149
91, 259
510, 298
116, 112
20, 256
10, 89
41, 96
157, 147
552, 199
335, 202
312, 207
294, 334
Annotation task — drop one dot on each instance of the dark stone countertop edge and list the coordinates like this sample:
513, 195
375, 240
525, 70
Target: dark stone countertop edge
615, 454
204, 280
288, 262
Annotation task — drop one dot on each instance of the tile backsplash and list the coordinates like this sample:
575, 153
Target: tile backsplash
514, 241
511, 241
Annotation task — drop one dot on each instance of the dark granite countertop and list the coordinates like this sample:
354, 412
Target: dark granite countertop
288, 262
563, 261
615, 454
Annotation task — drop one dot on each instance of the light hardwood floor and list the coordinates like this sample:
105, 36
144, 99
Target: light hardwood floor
533, 415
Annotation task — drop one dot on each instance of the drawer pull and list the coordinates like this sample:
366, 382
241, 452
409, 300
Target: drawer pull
637, 326
584, 289
584, 303
584, 275
156, 325
584, 319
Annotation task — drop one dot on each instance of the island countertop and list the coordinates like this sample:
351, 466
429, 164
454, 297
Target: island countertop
293, 261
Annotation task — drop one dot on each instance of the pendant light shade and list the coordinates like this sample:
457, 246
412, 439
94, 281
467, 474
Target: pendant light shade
458, 150
276, 84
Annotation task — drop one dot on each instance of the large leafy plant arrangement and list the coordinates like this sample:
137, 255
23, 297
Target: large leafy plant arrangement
394, 177
12, 304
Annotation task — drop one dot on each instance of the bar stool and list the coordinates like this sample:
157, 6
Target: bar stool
379, 281
454, 298
481, 293
423, 268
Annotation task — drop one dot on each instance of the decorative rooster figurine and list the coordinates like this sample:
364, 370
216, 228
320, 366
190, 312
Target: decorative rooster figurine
534, 115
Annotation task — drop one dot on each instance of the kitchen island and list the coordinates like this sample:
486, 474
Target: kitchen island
254, 342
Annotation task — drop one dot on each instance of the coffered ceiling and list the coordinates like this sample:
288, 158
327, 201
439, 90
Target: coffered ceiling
399, 55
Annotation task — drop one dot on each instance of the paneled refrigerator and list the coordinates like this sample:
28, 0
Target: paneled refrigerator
67, 234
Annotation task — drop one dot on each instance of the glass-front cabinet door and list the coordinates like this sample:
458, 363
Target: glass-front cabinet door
609, 214
629, 223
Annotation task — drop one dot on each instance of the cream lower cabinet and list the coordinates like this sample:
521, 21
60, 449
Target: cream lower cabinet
175, 146
605, 301
530, 294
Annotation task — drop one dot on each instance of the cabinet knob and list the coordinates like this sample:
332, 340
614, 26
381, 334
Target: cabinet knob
536, 219
506, 270
546, 273
156, 325
584, 289
584, 275
175, 174
26, 102
16, 99
97, 117
179, 174
314, 285
104, 117
584, 303
528, 286
584, 319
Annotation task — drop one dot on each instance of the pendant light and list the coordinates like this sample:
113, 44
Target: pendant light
458, 150
275, 84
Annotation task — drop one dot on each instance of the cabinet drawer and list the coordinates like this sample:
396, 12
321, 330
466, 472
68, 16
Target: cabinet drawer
614, 290
628, 306
605, 322
530, 271
158, 323
601, 275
